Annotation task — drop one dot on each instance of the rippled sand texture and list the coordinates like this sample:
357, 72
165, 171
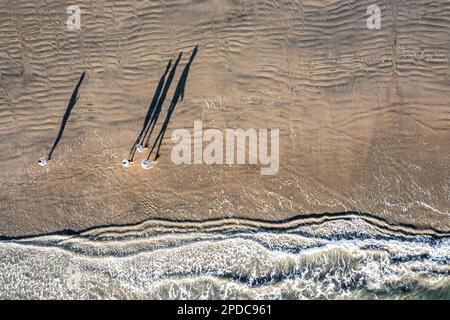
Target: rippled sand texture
364, 115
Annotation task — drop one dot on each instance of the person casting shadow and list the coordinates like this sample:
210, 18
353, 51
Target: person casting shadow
178, 95
72, 103
150, 111
149, 126
152, 123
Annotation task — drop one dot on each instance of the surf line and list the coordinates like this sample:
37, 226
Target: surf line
72, 102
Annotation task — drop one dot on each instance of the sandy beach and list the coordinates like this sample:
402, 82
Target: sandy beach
363, 115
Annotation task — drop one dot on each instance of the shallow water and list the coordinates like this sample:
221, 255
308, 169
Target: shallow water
363, 115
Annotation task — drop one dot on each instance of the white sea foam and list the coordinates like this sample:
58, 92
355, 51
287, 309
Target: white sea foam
243, 264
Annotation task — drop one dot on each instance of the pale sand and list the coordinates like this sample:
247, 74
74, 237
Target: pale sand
364, 115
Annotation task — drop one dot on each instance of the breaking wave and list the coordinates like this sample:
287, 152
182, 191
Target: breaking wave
329, 256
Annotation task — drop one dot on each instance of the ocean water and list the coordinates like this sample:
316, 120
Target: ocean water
363, 114
159, 259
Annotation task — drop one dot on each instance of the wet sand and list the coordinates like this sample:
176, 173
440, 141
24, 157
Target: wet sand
364, 115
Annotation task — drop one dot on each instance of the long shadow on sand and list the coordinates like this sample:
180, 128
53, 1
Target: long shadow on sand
153, 114
150, 111
72, 103
152, 124
178, 95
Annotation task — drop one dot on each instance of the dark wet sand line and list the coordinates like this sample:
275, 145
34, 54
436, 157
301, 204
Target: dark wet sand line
284, 225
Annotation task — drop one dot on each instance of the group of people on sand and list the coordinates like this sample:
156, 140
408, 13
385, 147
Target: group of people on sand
143, 140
